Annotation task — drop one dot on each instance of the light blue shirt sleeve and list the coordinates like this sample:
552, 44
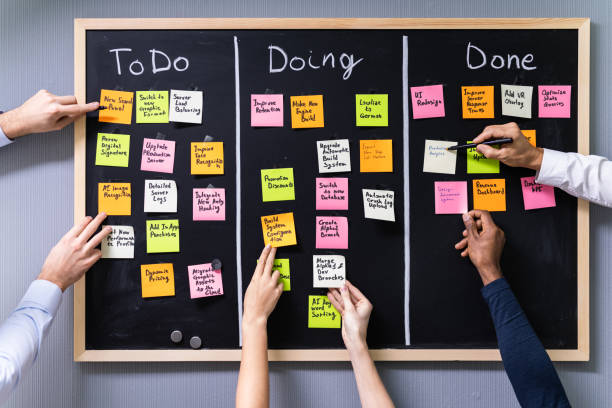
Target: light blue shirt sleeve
3, 139
22, 333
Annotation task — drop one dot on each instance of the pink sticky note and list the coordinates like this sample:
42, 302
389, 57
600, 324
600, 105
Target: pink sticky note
204, 281
451, 197
332, 232
537, 195
157, 155
209, 204
332, 193
267, 110
554, 101
427, 101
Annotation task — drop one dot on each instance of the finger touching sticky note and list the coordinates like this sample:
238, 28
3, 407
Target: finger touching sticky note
185, 106
328, 271
537, 195
282, 266
427, 101
207, 158
322, 314
115, 198
489, 194
376, 156
554, 101
157, 155
204, 281
530, 135
160, 196
209, 204
331, 232
267, 110
372, 109
113, 149
152, 107
331, 193
478, 163
450, 197
516, 100
157, 280
439, 160
277, 185
477, 102
162, 236
119, 244
278, 230
118, 106
307, 111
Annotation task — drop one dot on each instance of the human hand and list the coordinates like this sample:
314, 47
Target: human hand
519, 153
355, 309
483, 242
75, 253
263, 292
43, 112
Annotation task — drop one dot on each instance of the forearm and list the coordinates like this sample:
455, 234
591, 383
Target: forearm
253, 383
372, 391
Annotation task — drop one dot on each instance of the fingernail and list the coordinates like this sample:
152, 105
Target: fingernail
267, 246
343, 288
466, 217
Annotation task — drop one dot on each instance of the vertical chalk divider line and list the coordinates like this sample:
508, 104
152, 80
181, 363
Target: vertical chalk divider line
238, 192
406, 162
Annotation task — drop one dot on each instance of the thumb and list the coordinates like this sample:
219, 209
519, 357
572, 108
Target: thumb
346, 298
488, 151
470, 226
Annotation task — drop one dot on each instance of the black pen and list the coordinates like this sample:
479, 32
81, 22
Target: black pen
473, 145
101, 107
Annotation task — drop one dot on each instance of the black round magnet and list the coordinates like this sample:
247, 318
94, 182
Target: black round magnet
176, 336
195, 342
216, 264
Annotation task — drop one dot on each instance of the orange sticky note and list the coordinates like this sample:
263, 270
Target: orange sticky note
477, 102
531, 136
376, 156
118, 106
278, 230
307, 111
490, 194
207, 158
157, 280
115, 198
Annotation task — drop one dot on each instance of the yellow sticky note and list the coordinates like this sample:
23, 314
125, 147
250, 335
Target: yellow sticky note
530, 135
113, 149
371, 109
278, 230
115, 198
307, 111
152, 107
118, 106
490, 194
376, 156
207, 158
282, 266
322, 314
477, 102
162, 236
157, 280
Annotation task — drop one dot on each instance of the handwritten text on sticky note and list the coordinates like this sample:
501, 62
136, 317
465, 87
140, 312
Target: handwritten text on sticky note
477, 102
113, 149
160, 196
478, 163
322, 314
376, 156
162, 236
278, 230
331, 232
331, 193
207, 158
209, 204
490, 194
328, 271
450, 197
115, 198
427, 101
277, 185
152, 107
267, 110
372, 109
119, 244
537, 195
379, 204
118, 106
204, 281
157, 155
334, 156
185, 106
554, 101
439, 160
516, 100
307, 111
157, 280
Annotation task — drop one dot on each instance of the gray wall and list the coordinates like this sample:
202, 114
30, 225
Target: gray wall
36, 51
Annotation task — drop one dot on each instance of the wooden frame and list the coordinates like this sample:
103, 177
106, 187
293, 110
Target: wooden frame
581, 24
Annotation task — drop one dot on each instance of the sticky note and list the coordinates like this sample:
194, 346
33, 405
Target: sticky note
307, 111
331, 232
516, 100
267, 110
277, 185
379, 204
185, 106
328, 271
331, 193
160, 196
119, 244
530, 134
118, 106
207, 158
151, 106
477, 102
376, 156
554, 101
537, 195
439, 160
322, 314
162, 236
372, 109
157, 280
115, 198
334, 156
209, 204
427, 101
478, 163
490, 194
282, 266
113, 149
204, 281
450, 197
278, 230
157, 155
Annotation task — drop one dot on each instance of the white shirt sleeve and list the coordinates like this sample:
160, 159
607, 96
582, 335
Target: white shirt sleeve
587, 177
3, 139
22, 333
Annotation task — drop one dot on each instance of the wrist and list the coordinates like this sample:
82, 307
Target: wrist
9, 123
489, 274
59, 284
535, 161
357, 348
254, 324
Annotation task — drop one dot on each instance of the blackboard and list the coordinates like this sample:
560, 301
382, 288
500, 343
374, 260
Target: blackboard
426, 299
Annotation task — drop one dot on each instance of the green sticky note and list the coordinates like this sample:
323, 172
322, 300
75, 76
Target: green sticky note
152, 107
322, 314
113, 150
277, 184
282, 266
478, 163
162, 236
372, 109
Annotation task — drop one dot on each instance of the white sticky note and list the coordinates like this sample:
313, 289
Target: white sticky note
516, 100
119, 243
160, 196
328, 271
185, 106
334, 156
438, 159
379, 204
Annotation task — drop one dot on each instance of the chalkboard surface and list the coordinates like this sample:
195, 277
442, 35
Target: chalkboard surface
438, 290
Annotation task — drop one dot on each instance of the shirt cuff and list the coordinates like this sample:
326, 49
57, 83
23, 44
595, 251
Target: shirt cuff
43, 295
3, 139
492, 288
553, 169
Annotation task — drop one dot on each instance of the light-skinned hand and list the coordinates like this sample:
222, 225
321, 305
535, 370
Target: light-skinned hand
355, 309
519, 153
43, 112
75, 253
